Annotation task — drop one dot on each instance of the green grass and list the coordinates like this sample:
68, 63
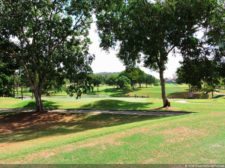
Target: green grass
85, 103
155, 91
196, 138
173, 91
150, 91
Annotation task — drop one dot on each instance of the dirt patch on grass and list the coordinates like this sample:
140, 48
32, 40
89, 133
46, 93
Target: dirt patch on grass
217, 114
182, 133
16, 122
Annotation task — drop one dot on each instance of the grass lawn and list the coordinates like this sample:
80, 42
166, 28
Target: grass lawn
172, 90
198, 137
150, 91
85, 103
155, 91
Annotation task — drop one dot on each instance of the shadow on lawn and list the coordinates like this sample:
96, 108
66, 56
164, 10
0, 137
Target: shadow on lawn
110, 104
28, 126
15, 127
47, 104
113, 92
218, 96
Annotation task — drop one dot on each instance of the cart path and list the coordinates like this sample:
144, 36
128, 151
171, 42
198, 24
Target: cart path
116, 112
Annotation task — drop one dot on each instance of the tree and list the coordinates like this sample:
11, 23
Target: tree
51, 39
204, 74
96, 80
150, 80
135, 75
112, 79
204, 57
216, 37
194, 78
7, 68
124, 83
150, 30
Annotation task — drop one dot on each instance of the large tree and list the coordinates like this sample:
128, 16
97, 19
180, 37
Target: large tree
204, 56
136, 75
150, 30
51, 39
200, 73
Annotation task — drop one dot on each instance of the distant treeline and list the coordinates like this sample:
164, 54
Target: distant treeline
128, 79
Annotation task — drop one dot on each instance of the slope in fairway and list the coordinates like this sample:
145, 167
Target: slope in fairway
101, 138
193, 138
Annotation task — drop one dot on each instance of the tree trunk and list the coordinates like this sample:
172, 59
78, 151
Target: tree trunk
17, 91
166, 102
21, 91
14, 90
132, 85
140, 85
38, 101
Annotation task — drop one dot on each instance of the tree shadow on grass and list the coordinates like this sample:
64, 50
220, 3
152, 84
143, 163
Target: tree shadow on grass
28, 126
218, 96
29, 106
47, 105
113, 92
16, 127
110, 104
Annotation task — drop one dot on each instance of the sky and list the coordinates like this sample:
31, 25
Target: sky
107, 61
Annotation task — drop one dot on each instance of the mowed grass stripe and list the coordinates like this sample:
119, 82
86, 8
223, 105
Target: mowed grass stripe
72, 138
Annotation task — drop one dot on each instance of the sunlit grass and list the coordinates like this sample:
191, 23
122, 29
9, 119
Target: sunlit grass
197, 137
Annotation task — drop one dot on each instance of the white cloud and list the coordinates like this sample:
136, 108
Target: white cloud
105, 61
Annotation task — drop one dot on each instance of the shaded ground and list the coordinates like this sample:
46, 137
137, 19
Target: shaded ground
111, 104
30, 125
113, 92
19, 126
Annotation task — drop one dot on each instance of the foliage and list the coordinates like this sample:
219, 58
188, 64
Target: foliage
50, 38
124, 82
96, 80
7, 69
200, 73
137, 76
112, 80
203, 63
150, 30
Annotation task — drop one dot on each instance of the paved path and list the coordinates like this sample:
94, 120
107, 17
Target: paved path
123, 112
